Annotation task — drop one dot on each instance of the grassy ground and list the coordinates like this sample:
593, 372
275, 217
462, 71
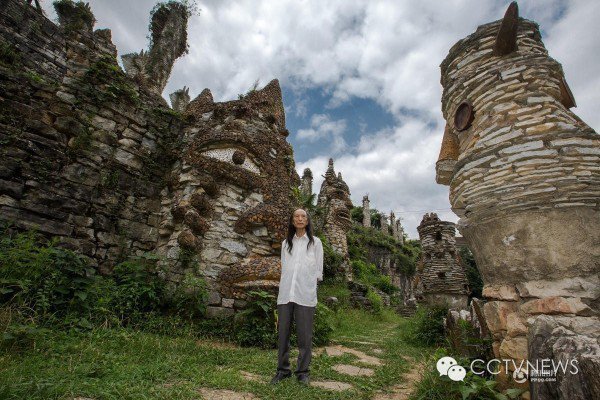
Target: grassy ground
125, 364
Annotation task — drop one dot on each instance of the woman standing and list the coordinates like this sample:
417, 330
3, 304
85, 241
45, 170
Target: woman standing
301, 269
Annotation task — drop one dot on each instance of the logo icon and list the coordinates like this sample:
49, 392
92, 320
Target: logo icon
448, 366
519, 375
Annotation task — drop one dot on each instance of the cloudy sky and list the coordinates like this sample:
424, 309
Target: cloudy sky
360, 78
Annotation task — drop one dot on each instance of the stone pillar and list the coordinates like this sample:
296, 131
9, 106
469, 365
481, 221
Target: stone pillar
393, 225
180, 99
523, 176
366, 211
334, 197
307, 181
384, 224
168, 42
399, 232
442, 276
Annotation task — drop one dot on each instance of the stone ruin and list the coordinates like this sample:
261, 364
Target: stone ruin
95, 157
524, 177
383, 224
366, 211
441, 277
334, 199
399, 232
168, 42
306, 187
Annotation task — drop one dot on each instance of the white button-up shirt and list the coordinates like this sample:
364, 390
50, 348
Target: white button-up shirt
300, 271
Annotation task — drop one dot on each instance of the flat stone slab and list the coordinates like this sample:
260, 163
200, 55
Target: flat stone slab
339, 350
353, 370
332, 385
251, 376
377, 351
224, 394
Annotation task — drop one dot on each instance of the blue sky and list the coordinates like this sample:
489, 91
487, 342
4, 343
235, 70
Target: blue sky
360, 78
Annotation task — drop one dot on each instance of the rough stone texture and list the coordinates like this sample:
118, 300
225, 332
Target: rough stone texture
332, 385
307, 181
524, 180
353, 370
225, 394
96, 157
334, 198
383, 258
554, 338
74, 128
442, 278
180, 99
366, 211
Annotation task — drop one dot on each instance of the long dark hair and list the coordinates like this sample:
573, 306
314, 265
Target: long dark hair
292, 230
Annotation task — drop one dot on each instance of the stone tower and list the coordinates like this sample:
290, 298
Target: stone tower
334, 198
307, 181
168, 42
399, 232
384, 224
524, 178
393, 225
366, 211
443, 278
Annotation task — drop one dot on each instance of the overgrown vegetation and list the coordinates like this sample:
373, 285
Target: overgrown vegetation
43, 285
473, 275
73, 16
10, 56
104, 81
426, 327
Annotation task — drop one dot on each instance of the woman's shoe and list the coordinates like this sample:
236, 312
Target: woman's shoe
279, 376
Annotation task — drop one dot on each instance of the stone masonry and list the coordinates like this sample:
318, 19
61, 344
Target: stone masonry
366, 211
96, 158
523, 172
334, 199
441, 274
306, 187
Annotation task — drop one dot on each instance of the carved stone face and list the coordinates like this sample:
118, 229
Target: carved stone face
235, 182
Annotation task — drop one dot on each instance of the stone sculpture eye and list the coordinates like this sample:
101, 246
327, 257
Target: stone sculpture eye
233, 156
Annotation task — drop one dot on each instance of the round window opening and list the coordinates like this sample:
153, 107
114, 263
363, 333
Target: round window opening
464, 116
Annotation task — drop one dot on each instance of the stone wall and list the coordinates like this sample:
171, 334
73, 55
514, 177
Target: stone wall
383, 258
524, 176
84, 148
95, 157
441, 274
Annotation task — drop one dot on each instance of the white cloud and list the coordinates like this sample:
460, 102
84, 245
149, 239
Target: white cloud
387, 50
322, 126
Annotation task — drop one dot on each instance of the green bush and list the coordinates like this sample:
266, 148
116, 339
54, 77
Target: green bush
332, 262
323, 325
367, 273
43, 285
256, 325
432, 386
376, 301
426, 327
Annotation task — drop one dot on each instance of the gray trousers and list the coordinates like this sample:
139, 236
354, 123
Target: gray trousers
304, 317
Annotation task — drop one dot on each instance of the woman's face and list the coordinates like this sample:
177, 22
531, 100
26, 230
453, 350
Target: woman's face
300, 219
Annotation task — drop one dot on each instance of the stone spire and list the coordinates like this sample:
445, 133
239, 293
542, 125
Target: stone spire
393, 225
330, 173
384, 224
399, 232
168, 28
366, 211
307, 181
